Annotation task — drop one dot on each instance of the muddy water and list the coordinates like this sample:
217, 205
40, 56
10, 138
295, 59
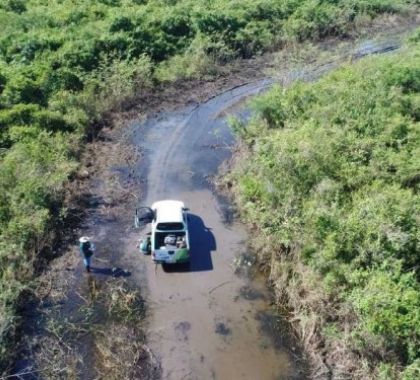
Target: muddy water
203, 324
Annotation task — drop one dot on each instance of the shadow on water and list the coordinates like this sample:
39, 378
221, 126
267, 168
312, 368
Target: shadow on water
202, 243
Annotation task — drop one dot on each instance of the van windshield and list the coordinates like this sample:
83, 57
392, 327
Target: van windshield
170, 226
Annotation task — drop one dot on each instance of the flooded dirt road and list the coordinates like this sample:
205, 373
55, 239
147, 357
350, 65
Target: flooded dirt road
204, 323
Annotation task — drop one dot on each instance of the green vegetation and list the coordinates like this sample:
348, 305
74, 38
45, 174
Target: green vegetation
333, 189
65, 63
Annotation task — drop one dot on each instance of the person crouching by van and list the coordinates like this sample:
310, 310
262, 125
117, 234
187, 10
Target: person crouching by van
86, 250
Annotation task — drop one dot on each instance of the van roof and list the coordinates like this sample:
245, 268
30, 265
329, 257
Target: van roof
168, 211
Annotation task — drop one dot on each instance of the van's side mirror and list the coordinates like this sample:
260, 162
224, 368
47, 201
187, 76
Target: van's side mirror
185, 209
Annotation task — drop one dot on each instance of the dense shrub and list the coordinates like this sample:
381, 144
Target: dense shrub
334, 180
17, 6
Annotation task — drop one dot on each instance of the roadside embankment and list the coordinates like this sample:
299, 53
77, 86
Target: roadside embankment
327, 180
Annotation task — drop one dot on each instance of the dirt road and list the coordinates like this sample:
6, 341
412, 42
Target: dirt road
204, 324
206, 321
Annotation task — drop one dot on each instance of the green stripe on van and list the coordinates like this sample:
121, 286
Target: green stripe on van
182, 255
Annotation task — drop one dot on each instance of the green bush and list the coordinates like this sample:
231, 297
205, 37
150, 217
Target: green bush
316, 19
63, 79
411, 372
17, 6
3, 81
388, 306
23, 88
334, 179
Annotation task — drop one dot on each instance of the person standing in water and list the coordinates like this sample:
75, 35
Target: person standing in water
86, 250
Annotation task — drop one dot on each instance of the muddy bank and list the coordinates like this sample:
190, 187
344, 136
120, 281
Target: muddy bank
85, 326
118, 177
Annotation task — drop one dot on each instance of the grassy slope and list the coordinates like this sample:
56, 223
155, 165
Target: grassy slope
64, 63
333, 191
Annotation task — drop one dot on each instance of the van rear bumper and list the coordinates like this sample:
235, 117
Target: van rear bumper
181, 255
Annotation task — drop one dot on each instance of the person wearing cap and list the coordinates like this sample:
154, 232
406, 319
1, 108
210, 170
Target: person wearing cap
86, 249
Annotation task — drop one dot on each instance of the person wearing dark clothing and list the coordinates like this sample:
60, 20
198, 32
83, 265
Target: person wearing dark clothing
86, 250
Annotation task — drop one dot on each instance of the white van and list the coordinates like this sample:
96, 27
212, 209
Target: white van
168, 241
